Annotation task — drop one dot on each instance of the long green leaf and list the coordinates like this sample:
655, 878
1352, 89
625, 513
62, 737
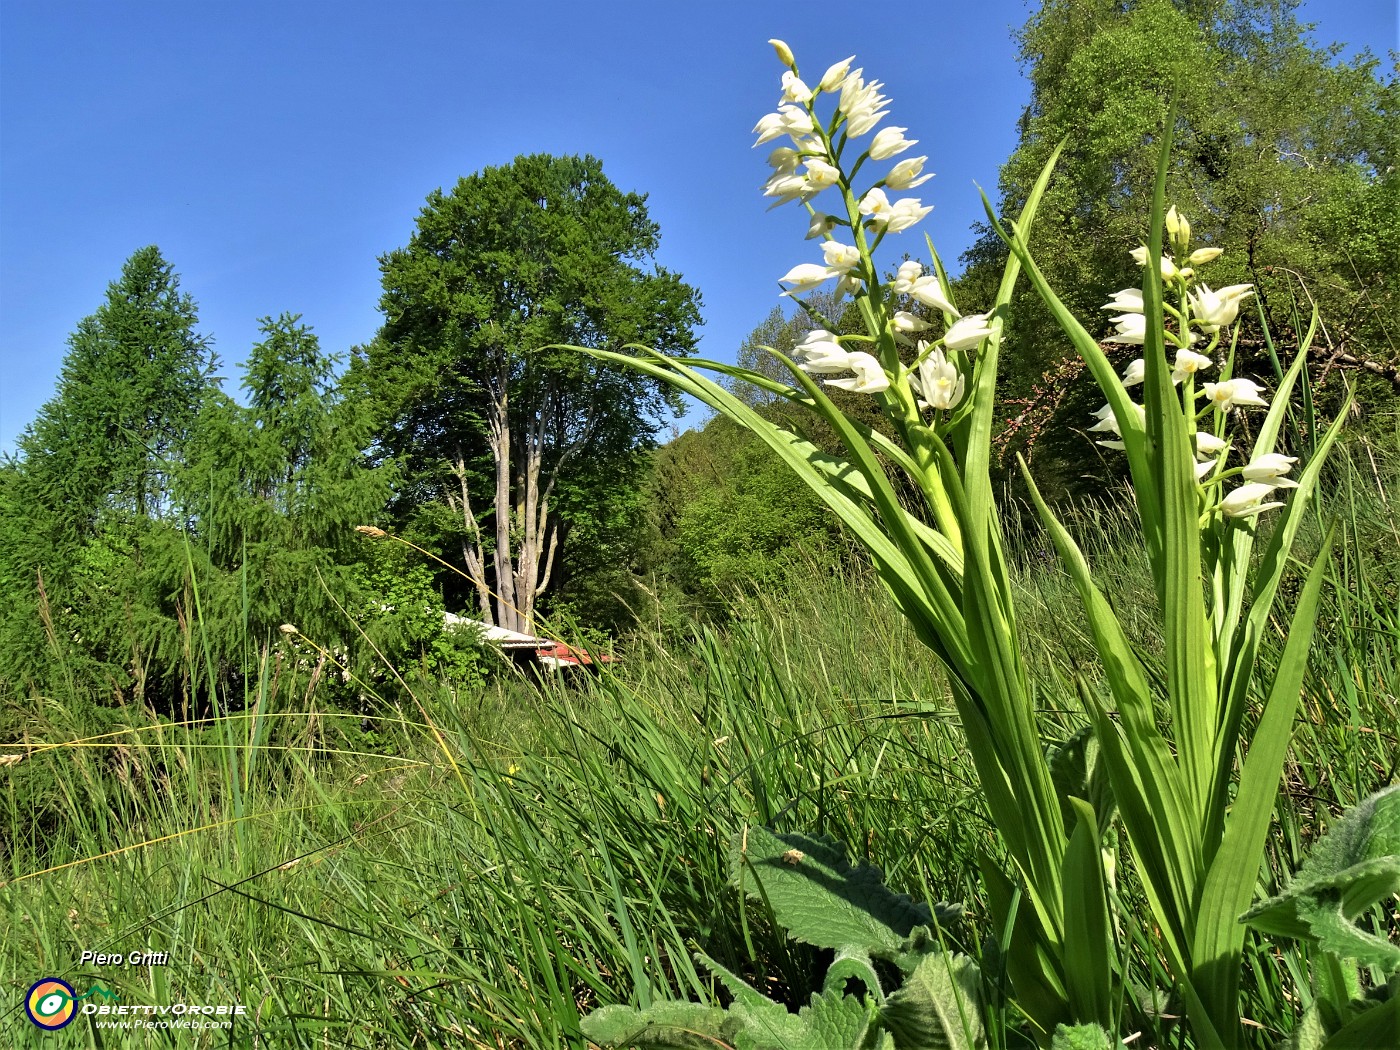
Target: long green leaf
1230, 881
1088, 951
1146, 781
1238, 673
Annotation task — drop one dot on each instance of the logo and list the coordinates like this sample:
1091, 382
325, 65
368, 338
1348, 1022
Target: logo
50, 1002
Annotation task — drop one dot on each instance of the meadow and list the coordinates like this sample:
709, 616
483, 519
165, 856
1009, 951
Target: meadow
1000, 755
480, 870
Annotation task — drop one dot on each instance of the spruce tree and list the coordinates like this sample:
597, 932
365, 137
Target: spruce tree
90, 571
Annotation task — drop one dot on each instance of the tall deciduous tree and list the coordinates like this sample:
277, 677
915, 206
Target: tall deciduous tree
487, 421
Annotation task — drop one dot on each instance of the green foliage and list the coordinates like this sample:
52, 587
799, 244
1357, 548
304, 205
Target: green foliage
131, 386
820, 899
728, 521
1351, 870
1082, 1037
91, 540
488, 419
488, 910
1282, 150
203, 524
401, 615
1354, 866
275, 489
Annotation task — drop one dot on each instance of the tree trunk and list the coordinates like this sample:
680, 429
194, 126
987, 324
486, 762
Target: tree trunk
472, 556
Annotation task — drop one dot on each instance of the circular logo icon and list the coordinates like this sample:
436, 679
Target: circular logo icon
49, 1003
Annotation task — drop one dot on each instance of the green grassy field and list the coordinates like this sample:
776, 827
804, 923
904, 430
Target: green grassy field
479, 869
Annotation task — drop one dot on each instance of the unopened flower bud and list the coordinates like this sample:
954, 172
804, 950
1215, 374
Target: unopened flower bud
1178, 231
784, 52
1201, 256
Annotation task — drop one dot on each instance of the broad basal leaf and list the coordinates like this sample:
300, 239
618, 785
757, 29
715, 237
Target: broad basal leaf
1355, 865
820, 899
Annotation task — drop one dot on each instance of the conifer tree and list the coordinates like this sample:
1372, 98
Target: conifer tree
128, 394
91, 558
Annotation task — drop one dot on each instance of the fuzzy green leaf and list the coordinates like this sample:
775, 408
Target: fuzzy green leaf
833, 1020
1355, 865
1375, 1025
1082, 1037
853, 965
669, 1025
938, 1007
821, 899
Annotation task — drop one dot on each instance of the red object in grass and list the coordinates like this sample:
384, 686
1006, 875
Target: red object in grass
562, 655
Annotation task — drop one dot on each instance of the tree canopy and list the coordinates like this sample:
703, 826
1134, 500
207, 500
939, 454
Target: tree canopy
488, 417
1286, 158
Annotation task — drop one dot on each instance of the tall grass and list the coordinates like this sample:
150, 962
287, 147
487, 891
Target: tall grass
339, 877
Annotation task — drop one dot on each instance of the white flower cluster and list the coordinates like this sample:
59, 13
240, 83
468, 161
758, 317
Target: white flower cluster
1201, 312
811, 164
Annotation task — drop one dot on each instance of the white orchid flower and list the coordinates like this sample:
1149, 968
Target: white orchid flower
905, 175
967, 332
769, 127
794, 90
939, 383
789, 120
909, 271
784, 52
1132, 328
820, 226
1108, 421
861, 102
1244, 502
869, 376
1135, 373
820, 174
786, 186
835, 75
1233, 393
889, 142
1207, 444
1125, 301
929, 291
1168, 267
784, 159
1211, 309
1269, 468
904, 213
840, 258
1188, 363
1178, 229
906, 322
820, 352
875, 205
805, 276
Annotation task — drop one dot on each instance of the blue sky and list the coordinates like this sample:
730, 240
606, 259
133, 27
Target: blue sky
274, 150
